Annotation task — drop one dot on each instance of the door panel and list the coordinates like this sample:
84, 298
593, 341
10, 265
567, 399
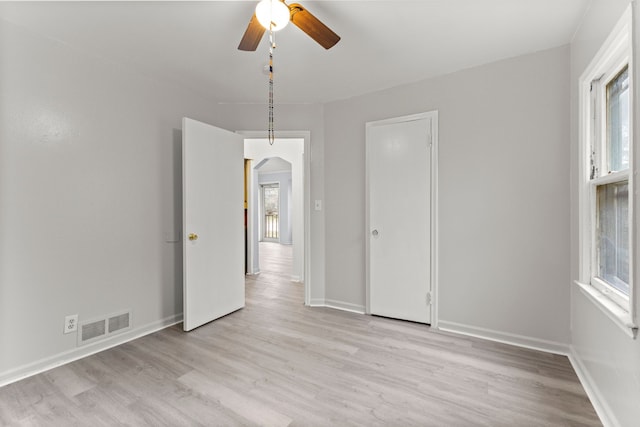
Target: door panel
399, 178
212, 178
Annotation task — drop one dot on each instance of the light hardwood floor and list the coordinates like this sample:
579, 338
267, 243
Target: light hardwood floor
277, 363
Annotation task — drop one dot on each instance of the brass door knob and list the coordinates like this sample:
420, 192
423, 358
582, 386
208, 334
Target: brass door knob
193, 236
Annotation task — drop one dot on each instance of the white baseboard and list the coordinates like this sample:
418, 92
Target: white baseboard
505, 337
317, 302
338, 305
63, 358
603, 410
345, 306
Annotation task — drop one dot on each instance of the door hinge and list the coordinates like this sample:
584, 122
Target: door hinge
428, 298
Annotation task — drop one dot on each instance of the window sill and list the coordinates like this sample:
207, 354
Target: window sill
619, 316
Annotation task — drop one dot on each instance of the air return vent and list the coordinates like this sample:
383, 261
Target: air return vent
92, 330
118, 322
99, 329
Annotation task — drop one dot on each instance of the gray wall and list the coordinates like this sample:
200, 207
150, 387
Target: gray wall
503, 171
609, 358
90, 178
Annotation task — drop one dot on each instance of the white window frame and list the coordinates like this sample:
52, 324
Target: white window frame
613, 56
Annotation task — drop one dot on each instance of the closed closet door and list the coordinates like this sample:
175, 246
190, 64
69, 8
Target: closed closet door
399, 218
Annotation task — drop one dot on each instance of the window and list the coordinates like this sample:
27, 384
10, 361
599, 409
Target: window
606, 203
612, 234
270, 204
609, 179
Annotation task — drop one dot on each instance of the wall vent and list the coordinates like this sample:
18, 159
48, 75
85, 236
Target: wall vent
100, 329
93, 330
118, 322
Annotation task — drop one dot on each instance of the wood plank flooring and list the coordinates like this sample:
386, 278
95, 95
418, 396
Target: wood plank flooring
279, 363
276, 260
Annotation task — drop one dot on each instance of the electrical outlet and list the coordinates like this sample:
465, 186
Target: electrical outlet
70, 323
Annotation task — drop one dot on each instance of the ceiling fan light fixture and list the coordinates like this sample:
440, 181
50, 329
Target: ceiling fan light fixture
273, 14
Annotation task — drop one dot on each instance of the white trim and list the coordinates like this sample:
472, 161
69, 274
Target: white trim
607, 291
77, 353
634, 202
250, 208
608, 55
435, 235
317, 302
432, 116
611, 178
617, 314
306, 136
505, 338
344, 306
606, 415
614, 54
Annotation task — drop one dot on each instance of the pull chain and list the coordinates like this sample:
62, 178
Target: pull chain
272, 45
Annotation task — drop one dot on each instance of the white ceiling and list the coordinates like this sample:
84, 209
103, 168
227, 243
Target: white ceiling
384, 43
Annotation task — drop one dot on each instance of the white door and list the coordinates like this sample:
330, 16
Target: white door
399, 218
213, 230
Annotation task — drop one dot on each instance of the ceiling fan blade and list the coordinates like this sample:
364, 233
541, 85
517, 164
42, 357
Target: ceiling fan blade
311, 25
252, 36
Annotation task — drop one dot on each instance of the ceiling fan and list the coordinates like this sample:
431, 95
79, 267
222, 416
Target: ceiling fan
275, 14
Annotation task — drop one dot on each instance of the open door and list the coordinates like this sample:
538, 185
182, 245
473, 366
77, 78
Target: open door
212, 203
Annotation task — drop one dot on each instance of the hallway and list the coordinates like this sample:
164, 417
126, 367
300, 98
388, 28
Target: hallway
275, 275
276, 258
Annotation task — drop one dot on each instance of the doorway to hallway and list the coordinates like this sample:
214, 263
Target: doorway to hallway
284, 163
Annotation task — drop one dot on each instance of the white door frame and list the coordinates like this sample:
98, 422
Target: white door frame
433, 117
306, 136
